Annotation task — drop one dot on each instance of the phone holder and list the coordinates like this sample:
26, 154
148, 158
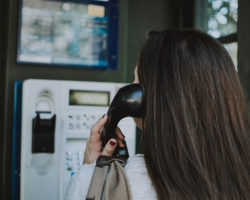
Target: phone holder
43, 134
129, 101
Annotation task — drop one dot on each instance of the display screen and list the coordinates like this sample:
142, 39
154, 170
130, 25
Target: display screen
89, 98
73, 33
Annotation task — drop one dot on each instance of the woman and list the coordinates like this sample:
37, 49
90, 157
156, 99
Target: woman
196, 131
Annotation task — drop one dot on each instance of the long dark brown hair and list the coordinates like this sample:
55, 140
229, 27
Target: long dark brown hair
196, 132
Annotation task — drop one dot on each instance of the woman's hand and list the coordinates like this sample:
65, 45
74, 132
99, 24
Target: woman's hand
94, 144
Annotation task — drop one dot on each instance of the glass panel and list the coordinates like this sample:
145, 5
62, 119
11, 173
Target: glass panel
64, 33
232, 49
222, 21
222, 17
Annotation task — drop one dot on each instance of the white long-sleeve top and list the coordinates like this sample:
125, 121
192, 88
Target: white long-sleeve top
138, 178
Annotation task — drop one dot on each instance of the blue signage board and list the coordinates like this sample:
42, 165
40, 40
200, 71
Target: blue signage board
76, 33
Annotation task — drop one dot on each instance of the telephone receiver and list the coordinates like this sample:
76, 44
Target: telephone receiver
129, 101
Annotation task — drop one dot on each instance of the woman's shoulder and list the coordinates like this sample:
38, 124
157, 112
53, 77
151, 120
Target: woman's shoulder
136, 162
138, 178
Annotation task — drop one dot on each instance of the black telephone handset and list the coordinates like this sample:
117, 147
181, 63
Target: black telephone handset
129, 101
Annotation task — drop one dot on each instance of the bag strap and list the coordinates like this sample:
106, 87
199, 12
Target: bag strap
109, 180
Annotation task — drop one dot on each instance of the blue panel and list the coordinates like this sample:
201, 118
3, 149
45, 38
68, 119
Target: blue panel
113, 35
66, 38
16, 141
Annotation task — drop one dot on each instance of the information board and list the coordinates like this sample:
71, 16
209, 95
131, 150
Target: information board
69, 33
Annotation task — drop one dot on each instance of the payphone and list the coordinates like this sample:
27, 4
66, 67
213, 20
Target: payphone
56, 121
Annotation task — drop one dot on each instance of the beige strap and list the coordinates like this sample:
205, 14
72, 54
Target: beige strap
97, 182
117, 186
109, 181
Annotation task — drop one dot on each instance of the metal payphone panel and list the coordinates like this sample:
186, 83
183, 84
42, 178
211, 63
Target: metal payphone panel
75, 106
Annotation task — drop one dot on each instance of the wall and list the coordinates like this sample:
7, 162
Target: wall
244, 46
3, 96
136, 17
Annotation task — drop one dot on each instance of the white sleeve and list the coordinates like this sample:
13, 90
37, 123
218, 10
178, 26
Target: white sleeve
140, 183
79, 183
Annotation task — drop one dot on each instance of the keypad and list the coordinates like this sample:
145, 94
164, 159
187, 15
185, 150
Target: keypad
81, 122
73, 160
